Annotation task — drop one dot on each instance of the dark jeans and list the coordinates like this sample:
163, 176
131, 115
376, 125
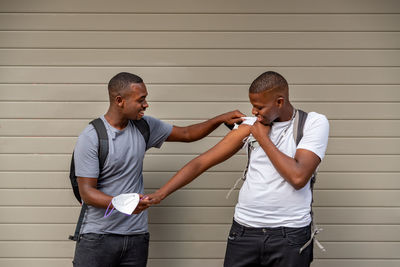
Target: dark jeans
272, 247
109, 250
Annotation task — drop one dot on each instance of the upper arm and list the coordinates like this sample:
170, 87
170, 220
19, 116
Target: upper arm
316, 133
86, 157
91, 195
227, 147
85, 184
159, 131
308, 162
86, 161
312, 147
178, 134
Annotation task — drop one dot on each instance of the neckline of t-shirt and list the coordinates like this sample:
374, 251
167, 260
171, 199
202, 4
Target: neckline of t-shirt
112, 128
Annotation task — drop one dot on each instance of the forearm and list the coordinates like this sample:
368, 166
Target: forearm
289, 168
183, 177
94, 197
200, 130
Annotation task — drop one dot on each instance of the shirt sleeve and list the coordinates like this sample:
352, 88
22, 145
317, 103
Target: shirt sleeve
315, 134
159, 131
86, 154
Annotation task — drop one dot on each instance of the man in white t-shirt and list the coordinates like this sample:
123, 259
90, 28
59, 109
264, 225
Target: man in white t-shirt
272, 217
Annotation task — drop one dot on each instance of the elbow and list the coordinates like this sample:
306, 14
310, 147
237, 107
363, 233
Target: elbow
199, 165
86, 196
85, 199
187, 136
298, 185
298, 182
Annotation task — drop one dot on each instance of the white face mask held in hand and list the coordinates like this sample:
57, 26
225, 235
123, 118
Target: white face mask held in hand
246, 120
125, 203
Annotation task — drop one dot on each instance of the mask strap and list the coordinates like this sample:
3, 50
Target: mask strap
105, 214
247, 143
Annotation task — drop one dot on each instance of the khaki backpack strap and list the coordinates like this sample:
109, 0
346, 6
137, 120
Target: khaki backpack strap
298, 125
295, 125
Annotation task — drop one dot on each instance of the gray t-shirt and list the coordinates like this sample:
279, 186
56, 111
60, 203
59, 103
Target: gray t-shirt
122, 172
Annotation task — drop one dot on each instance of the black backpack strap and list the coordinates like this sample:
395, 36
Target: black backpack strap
101, 131
143, 128
102, 135
73, 180
75, 237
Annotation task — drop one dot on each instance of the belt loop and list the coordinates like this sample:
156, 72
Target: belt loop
242, 229
283, 232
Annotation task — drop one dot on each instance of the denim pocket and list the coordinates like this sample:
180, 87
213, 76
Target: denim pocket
298, 237
233, 235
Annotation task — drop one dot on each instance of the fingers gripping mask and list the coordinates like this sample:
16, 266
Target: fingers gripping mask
246, 120
124, 203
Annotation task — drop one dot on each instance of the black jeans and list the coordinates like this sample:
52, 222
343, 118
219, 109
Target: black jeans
109, 250
272, 247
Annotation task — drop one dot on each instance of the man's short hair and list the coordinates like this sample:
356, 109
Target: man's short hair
268, 81
121, 82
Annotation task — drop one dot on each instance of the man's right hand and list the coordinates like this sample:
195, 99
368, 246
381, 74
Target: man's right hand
232, 117
155, 198
144, 203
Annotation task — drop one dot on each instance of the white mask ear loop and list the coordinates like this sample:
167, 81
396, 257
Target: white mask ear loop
124, 203
105, 214
233, 187
246, 143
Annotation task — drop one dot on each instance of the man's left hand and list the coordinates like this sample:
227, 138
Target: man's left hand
232, 117
260, 131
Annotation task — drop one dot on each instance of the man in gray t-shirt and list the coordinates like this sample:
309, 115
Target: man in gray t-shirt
121, 239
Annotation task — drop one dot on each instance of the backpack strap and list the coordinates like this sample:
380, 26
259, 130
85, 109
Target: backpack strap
102, 135
75, 237
143, 128
101, 131
298, 125
298, 128
73, 180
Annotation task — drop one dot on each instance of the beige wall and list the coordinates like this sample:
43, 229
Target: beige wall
341, 59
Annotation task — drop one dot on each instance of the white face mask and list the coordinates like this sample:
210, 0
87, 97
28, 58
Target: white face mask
246, 120
125, 203
249, 120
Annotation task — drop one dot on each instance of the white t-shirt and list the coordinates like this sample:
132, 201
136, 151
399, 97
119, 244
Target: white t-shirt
266, 199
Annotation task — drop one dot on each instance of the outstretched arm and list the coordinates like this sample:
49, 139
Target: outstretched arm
197, 131
94, 197
222, 151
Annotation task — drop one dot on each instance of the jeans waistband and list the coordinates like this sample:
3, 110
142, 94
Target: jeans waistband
265, 230
117, 235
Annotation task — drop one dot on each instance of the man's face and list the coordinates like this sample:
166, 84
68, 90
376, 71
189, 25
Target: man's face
135, 101
265, 107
